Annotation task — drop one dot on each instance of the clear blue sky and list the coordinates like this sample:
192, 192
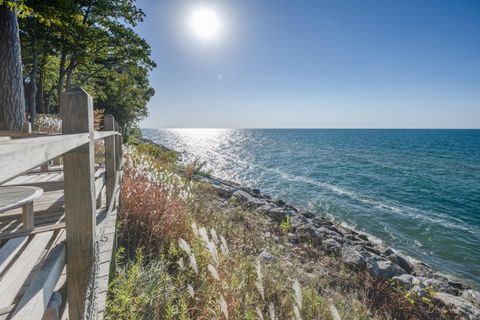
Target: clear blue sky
359, 64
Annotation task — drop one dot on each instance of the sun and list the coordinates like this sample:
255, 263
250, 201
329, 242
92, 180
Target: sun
205, 23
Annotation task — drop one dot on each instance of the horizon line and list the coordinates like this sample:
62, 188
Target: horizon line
312, 128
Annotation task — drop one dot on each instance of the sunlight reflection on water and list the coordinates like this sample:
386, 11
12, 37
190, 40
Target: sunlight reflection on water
401, 179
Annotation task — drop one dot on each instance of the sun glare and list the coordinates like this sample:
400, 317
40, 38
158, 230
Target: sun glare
205, 23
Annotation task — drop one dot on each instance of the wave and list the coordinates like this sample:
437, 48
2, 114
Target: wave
415, 213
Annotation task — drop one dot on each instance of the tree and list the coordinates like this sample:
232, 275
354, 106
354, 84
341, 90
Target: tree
12, 99
90, 44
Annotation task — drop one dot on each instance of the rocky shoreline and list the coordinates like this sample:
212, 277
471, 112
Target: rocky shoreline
355, 249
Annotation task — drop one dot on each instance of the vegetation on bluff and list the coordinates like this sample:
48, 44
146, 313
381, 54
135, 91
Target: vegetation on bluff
187, 254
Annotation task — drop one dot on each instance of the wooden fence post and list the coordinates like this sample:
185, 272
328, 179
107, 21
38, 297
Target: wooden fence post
79, 179
110, 158
117, 144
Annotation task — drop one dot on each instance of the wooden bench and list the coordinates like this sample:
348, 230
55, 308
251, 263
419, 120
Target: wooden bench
20, 196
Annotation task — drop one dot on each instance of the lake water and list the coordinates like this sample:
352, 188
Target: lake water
416, 190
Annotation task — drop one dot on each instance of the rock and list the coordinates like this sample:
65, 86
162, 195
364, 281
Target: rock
407, 281
256, 191
306, 230
222, 190
248, 200
354, 257
418, 291
363, 237
331, 245
472, 296
279, 214
384, 252
371, 250
293, 238
280, 202
383, 268
460, 305
266, 256
307, 214
400, 261
440, 285
457, 285
298, 220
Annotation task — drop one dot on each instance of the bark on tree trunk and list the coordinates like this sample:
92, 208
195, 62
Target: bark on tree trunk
12, 99
61, 75
69, 79
70, 69
32, 108
40, 95
48, 100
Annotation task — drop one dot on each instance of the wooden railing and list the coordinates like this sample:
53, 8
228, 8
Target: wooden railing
81, 187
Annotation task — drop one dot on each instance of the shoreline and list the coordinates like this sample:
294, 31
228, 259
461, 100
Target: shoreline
357, 249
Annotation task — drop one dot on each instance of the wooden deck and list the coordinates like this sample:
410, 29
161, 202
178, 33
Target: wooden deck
49, 235
57, 265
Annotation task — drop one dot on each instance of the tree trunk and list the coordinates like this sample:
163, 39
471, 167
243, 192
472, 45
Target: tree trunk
40, 94
61, 75
69, 79
70, 69
33, 86
48, 100
12, 99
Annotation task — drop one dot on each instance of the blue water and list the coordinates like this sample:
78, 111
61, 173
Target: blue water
416, 190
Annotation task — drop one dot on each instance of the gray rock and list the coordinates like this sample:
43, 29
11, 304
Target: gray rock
472, 296
418, 291
264, 209
383, 268
248, 200
354, 257
460, 305
401, 261
371, 250
331, 245
407, 281
384, 252
307, 214
279, 214
440, 285
363, 237
298, 220
266, 256
307, 231
222, 190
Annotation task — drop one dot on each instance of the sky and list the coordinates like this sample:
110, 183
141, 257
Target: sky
315, 64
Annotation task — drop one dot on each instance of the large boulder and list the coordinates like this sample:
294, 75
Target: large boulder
407, 281
440, 285
460, 305
276, 213
384, 269
401, 261
248, 200
299, 220
354, 256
